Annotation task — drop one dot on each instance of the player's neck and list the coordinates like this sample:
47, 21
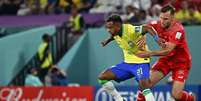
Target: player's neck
120, 31
168, 27
172, 23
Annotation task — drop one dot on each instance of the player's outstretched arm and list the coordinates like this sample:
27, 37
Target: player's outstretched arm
164, 51
105, 42
153, 33
150, 30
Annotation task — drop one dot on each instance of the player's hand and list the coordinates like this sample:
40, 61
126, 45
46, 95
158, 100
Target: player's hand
141, 42
104, 43
161, 42
144, 54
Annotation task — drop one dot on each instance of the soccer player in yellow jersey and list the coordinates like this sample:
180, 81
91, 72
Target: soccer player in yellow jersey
127, 36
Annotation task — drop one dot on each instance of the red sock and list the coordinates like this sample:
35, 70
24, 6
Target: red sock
186, 96
140, 96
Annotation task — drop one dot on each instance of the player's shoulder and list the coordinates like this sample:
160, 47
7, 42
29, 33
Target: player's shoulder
154, 22
178, 26
128, 25
178, 29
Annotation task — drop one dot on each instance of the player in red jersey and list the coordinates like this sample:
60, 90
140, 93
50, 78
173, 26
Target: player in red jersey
175, 56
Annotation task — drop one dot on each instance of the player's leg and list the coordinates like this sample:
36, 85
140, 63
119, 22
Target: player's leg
114, 73
158, 71
179, 76
155, 77
141, 72
105, 80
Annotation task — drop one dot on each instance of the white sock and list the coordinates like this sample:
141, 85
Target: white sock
109, 88
148, 95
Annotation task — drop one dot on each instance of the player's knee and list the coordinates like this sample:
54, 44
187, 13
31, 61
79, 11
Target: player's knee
176, 94
144, 84
151, 84
102, 82
102, 77
105, 76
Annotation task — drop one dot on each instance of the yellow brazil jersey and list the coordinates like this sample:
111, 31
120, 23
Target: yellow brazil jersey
127, 42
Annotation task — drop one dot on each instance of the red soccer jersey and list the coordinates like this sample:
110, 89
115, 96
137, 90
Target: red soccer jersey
174, 34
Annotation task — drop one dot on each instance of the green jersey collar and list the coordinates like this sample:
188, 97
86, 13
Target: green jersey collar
121, 31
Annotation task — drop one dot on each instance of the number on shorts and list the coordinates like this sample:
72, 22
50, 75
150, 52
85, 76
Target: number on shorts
139, 71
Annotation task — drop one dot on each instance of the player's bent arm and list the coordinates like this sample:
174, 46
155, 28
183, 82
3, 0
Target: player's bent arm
150, 30
164, 51
105, 42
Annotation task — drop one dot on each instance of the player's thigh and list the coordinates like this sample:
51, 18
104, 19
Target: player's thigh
117, 73
144, 84
177, 89
155, 77
179, 76
158, 71
107, 75
142, 74
180, 72
141, 71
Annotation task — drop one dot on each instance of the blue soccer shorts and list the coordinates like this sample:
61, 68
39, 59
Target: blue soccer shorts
124, 71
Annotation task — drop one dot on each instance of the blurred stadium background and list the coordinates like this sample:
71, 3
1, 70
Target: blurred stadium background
75, 46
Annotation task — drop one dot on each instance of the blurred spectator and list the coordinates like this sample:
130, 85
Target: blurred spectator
32, 78
143, 4
1, 3
50, 8
126, 3
194, 16
78, 3
139, 4
58, 77
64, 5
34, 5
135, 15
105, 6
130, 12
31, 7
187, 15
45, 56
155, 12
183, 13
82, 5
176, 3
9, 7
42, 4
76, 25
144, 18
86, 6
76, 22
25, 8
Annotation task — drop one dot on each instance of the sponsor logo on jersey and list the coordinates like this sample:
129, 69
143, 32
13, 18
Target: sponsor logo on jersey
138, 29
178, 35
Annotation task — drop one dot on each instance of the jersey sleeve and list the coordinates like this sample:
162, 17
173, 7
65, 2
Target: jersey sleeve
176, 37
137, 30
153, 23
133, 30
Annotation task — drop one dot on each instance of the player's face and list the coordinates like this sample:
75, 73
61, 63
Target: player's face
166, 19
112, 28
